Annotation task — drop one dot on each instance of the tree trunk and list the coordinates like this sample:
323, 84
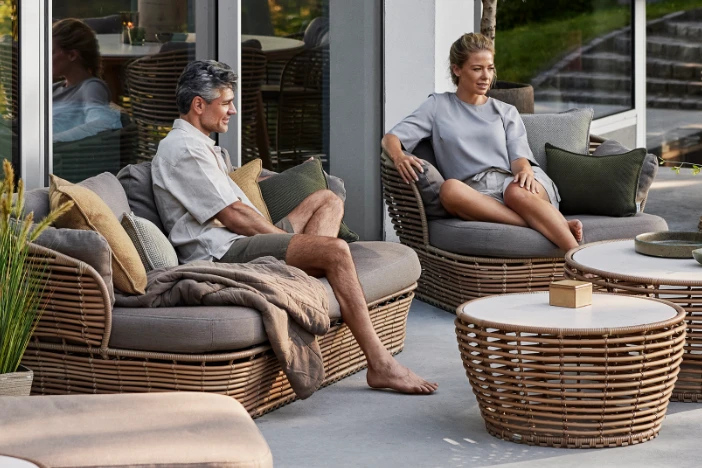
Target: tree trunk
487, 21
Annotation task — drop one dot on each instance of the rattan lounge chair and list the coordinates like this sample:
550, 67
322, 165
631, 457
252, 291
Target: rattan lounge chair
83, 344
487, 262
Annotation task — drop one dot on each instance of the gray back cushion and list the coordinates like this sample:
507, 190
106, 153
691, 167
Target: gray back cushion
568, 130
105, 185
136, 180
648, 170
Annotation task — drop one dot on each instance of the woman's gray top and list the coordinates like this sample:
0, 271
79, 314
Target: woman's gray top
82, 110
467, 139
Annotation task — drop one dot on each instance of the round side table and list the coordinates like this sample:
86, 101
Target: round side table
596, 376
615, 266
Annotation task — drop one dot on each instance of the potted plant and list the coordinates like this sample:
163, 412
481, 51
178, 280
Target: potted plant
21, 288
520, 95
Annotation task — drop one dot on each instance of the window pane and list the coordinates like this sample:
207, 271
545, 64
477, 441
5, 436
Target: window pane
285, 81
111, 106
9, 76
574, 53
674, 82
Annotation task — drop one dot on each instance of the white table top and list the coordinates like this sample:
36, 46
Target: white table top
12, 462
274, 43
533, 310
111, 45
621, 258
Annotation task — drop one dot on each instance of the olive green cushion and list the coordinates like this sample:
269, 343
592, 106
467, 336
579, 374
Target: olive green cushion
605, 185
283, 192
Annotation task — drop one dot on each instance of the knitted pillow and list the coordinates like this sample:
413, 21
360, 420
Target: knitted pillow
568, 130
155, 251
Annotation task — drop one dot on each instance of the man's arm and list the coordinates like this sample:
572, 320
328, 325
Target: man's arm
243, 220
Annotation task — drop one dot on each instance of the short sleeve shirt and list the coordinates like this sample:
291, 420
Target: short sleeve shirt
191, 185
467, 139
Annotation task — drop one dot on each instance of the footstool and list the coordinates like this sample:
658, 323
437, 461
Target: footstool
132, 430
596, 376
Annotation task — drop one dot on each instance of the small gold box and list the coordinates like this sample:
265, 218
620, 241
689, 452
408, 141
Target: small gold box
570, 293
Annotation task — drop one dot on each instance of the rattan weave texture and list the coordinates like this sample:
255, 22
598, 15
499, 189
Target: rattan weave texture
70, 352
687, 294
574, 388
450, 279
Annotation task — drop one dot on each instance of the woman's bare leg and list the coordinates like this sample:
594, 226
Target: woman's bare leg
542, 216
464, 202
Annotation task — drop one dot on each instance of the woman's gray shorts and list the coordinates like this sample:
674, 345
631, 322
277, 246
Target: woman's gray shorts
494, 182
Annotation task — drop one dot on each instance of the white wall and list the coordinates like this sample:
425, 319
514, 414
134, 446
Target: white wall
417, 37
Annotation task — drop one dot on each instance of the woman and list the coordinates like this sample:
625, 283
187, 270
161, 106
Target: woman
481, 150
81, 100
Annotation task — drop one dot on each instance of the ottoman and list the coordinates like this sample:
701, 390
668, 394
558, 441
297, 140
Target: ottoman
132, 430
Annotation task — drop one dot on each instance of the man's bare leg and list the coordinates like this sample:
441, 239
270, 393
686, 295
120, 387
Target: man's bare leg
467, 203
331, 257
319, 214
542, 216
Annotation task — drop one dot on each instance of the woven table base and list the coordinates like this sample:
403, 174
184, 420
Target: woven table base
586, 390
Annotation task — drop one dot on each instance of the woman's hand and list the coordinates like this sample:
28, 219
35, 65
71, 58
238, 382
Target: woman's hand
525, 178
407, 165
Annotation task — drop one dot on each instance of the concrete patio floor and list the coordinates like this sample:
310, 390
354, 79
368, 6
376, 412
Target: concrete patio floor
350, 425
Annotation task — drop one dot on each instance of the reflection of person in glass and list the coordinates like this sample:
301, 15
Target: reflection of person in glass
81, 101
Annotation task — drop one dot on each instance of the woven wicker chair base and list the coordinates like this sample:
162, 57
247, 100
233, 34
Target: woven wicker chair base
584, 390
689, 385
253, 376
449, 280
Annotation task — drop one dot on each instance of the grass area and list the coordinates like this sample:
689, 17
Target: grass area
523, 52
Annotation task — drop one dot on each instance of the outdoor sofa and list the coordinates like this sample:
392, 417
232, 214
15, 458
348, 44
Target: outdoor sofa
465, 260
85, 345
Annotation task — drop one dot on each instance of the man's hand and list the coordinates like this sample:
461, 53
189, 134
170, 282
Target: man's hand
242, 219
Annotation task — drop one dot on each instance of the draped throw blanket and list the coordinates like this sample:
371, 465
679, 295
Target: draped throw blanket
293, 305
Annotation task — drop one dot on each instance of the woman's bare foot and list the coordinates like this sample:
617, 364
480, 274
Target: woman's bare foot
393, 375
576, 228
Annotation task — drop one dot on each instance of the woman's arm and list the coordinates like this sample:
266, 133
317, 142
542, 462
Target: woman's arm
404, 163
524, 174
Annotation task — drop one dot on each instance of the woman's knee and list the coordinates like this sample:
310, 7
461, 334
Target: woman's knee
449, 190
516, 196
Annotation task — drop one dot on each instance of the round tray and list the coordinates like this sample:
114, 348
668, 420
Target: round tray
669, 244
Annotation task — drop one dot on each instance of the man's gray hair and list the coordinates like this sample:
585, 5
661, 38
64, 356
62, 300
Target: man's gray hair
204, 78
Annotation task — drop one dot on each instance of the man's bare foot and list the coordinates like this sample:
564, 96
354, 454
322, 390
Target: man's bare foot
395, 376
576, 228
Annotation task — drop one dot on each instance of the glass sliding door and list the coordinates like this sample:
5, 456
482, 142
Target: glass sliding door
9, 83
115, 66
285, 82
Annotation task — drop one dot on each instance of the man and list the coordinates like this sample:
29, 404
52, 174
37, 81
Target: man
209, 217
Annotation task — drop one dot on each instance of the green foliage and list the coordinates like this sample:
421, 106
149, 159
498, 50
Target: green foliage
21, 286
525, 50
695, 169
293, 16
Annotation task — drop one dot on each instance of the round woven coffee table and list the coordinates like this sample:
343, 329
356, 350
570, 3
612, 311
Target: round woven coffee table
614, 266
597, 376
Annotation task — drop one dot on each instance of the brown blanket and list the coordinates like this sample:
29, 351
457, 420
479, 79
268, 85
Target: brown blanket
294, 306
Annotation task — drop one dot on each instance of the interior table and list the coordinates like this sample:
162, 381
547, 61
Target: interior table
616, 267
596, 376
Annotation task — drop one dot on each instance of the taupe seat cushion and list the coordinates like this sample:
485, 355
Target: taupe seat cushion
138, 430
479, 239
384, 268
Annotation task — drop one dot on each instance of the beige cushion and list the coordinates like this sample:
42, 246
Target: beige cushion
384, 268
153, 246
246, 177
139, 430
92, 214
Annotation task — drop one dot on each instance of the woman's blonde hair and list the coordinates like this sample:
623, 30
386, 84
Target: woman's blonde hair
73, 34
464, 46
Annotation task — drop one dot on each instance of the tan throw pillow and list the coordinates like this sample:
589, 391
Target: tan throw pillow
90, 213
246, 177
